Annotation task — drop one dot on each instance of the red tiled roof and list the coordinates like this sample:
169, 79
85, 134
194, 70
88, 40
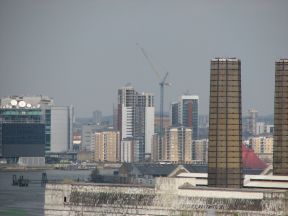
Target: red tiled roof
250, 160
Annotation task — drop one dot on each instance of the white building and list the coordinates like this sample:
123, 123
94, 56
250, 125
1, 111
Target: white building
62, 119
127, 150
136, 120
260, 128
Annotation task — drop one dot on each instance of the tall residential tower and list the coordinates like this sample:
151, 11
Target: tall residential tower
136, 120
225, 130
185, 113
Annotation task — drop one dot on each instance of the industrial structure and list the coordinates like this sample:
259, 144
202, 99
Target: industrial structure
280, 149
225, 129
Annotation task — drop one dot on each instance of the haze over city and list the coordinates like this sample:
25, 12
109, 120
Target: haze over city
81, 52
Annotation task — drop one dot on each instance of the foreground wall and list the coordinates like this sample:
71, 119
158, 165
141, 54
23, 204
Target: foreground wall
169, 197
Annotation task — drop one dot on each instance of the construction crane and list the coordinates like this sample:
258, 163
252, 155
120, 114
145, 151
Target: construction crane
162, 84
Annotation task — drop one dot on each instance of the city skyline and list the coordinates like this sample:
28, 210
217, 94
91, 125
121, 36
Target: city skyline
77, 52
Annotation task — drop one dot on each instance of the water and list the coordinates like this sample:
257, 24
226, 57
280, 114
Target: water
16, 201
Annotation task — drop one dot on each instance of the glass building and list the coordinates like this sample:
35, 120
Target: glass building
22, 133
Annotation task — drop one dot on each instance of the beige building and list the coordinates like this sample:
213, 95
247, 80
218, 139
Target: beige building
177, 144
263, 148
225, 127
107, 146
280, 151
200, 150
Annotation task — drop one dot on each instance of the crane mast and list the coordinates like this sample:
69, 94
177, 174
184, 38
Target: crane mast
162, 84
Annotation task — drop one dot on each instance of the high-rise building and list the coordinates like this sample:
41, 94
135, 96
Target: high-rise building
107, 146
280, 149
97, 117
252, 120
136, 120
177, 145
225, 129
260, 128
263, 147
185, 113
88, 138
127, 150
200, 150
62, 118
34, 123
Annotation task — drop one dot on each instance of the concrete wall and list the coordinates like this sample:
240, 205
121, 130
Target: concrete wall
169, 197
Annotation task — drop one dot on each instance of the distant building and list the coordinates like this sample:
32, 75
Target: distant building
225, 129
88, 138
166, 122
127, 150
263, 147
260, 128
185, 113
252, 119
200, 150
136, 120
280, 149
269, 129
33, 126
97, 117
107, 146
62, 118
177, 144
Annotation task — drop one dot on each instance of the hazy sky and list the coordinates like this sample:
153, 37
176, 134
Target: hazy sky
81, 52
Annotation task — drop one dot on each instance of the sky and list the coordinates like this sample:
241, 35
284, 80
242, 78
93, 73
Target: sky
80, 52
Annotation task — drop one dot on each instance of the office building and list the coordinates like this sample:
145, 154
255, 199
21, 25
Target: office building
252, 119
225, 129
62, 118
185, 113
177, 144
31, 126
280, 149
107, 144
136, 120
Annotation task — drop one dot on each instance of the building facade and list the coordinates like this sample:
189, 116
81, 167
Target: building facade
225, 127
280, 150
200, 150
252, 119
185, 113
32, 123
263, 148
177, 144
88, 138
136, 120
107, 146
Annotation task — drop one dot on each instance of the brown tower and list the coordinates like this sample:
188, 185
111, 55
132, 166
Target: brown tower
225, 129
280, 148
